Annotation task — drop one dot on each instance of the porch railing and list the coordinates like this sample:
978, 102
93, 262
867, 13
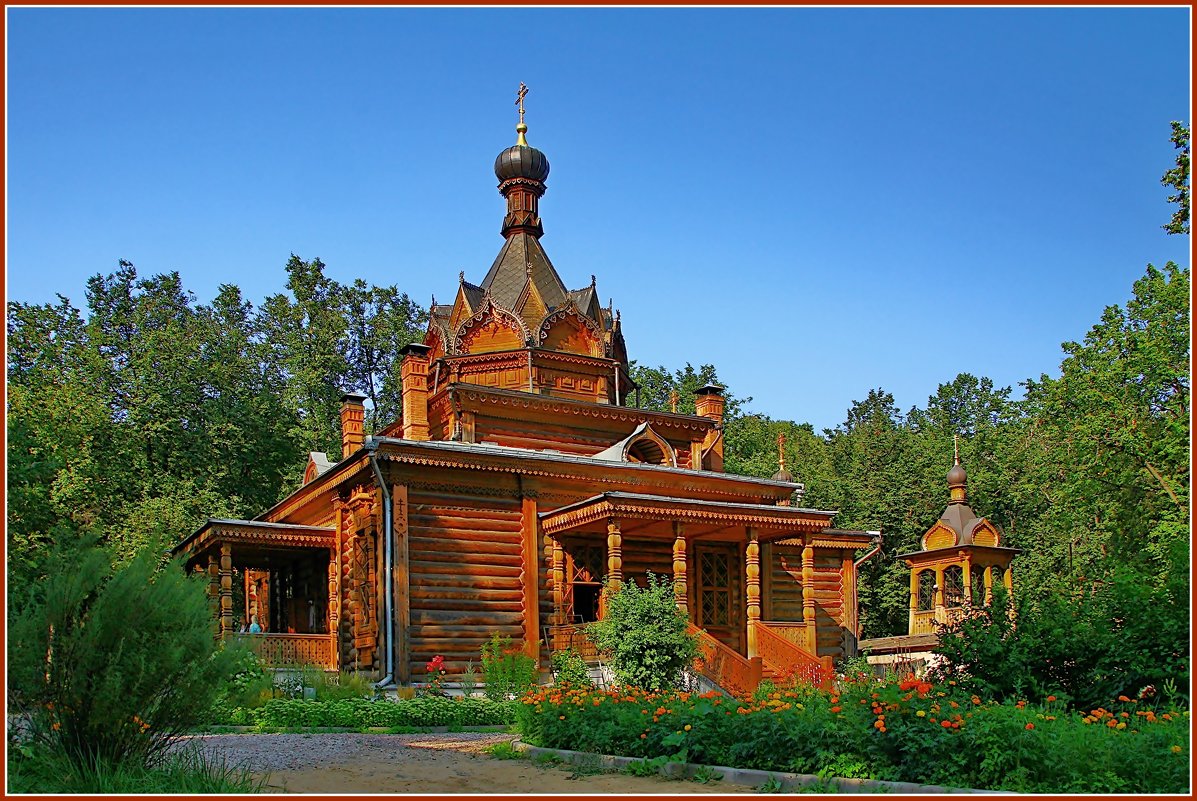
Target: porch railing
561, 638
289, 650
924, 622
792, 631
791, 662
723, 666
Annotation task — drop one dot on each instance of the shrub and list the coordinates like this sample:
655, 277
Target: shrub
570, 668
431, 710
506, 669
110, 664
645, 633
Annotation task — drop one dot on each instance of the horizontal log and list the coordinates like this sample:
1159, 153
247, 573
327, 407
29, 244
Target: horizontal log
490, 559
427, 514
470, 617
464, 546
428, 632
467, 580
456, 567
480, 594
465, 604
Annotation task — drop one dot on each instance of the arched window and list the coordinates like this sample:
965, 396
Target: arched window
926, 590
978, 585
953, 586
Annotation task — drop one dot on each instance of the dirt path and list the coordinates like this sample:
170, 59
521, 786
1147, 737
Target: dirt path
341, 764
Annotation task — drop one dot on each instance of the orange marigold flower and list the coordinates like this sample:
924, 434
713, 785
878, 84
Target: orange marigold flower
687, 727
1124, 699
835, 709
1051, 698
1176, 749
1029, 726
561, 717
953, 704
643, 736
947, 724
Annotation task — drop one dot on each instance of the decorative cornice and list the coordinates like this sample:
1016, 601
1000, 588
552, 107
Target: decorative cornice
681, 510
246, 532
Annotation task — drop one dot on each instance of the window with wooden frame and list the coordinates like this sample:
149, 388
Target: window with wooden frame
585, 572
714, 588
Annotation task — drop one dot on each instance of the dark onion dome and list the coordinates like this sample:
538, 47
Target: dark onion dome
783, 475
956, 476
522, 161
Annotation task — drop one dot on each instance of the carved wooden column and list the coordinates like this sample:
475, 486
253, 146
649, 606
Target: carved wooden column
752, 573
988, 584
558, 593
614, 555
914, 597
226, 589
939, 610
1008, 580
529, 580
967, 566
214, 590
808, 596
333, 594
679, 567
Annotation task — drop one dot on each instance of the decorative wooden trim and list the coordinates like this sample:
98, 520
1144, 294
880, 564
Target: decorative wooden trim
489, 310
249, 532
768, 517
401, 526
529, 577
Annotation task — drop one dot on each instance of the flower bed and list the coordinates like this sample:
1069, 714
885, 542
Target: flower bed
910, 731
362, 712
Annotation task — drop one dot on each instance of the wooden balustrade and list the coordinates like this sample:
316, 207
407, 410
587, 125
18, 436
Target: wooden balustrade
924, 622
723, 666
561, 638
789, 661
289, 650
793, 631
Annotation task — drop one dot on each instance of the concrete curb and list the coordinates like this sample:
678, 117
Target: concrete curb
790, 782
353, 730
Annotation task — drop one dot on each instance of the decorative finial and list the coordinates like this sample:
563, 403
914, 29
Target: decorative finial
617, 315
673, 399
521, 129
434, 301
593, 281
528, 269
955, 449
461, 277
781, 450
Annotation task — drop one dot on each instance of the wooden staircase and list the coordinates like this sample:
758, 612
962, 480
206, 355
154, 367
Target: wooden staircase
780, 661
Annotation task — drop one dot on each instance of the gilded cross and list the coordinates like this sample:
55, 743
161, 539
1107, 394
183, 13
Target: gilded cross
519, 99
955, 449
781, 449
673, 399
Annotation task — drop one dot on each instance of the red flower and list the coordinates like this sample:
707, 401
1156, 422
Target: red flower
1030, 726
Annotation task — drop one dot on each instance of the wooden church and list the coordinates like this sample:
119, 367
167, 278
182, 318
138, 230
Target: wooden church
516, 482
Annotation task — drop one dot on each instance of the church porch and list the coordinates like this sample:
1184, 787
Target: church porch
755, 622
281, 576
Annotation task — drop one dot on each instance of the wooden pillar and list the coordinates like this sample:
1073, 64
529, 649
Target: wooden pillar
614, 555
1008, 580
558, 583
914, 596
529, 577
226, 589
988, 584
939, 610
966, 565
679, 568
333, 611
214, 589
401, 583
808, 596
752, 575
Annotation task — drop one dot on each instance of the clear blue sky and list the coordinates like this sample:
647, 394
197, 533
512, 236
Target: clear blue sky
817, 201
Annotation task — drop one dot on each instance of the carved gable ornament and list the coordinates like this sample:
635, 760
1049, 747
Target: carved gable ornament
642, 445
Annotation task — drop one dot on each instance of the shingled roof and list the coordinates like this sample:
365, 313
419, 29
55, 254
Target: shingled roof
509, 273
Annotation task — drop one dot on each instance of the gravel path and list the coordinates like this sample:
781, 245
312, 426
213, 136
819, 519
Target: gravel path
352, 763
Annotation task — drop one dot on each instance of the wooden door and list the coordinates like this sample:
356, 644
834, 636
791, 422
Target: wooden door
716, 596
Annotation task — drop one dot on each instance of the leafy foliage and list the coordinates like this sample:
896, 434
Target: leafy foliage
110, 665
506, 669
570, 668
430, 710
1178, 178
645, 633
911, 731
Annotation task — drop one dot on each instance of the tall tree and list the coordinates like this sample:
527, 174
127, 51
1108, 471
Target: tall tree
1177, 178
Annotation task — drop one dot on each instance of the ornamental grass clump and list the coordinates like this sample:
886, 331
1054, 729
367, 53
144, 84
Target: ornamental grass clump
645, 635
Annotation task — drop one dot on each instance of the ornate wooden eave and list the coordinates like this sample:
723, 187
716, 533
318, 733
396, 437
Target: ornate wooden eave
322, 487
254, 532
772, 521
836, 538
540, 464
508, 403
952, 551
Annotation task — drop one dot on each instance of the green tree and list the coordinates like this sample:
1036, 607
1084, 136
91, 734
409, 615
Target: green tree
1177, 178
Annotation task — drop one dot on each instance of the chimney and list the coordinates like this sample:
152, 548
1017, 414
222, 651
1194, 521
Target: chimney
708, 403
353, 420
414, 373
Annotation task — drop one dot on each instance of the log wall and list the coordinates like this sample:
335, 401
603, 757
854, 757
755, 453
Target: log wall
465, 562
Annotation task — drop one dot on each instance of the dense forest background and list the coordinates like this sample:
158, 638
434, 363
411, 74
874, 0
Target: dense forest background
140, 415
